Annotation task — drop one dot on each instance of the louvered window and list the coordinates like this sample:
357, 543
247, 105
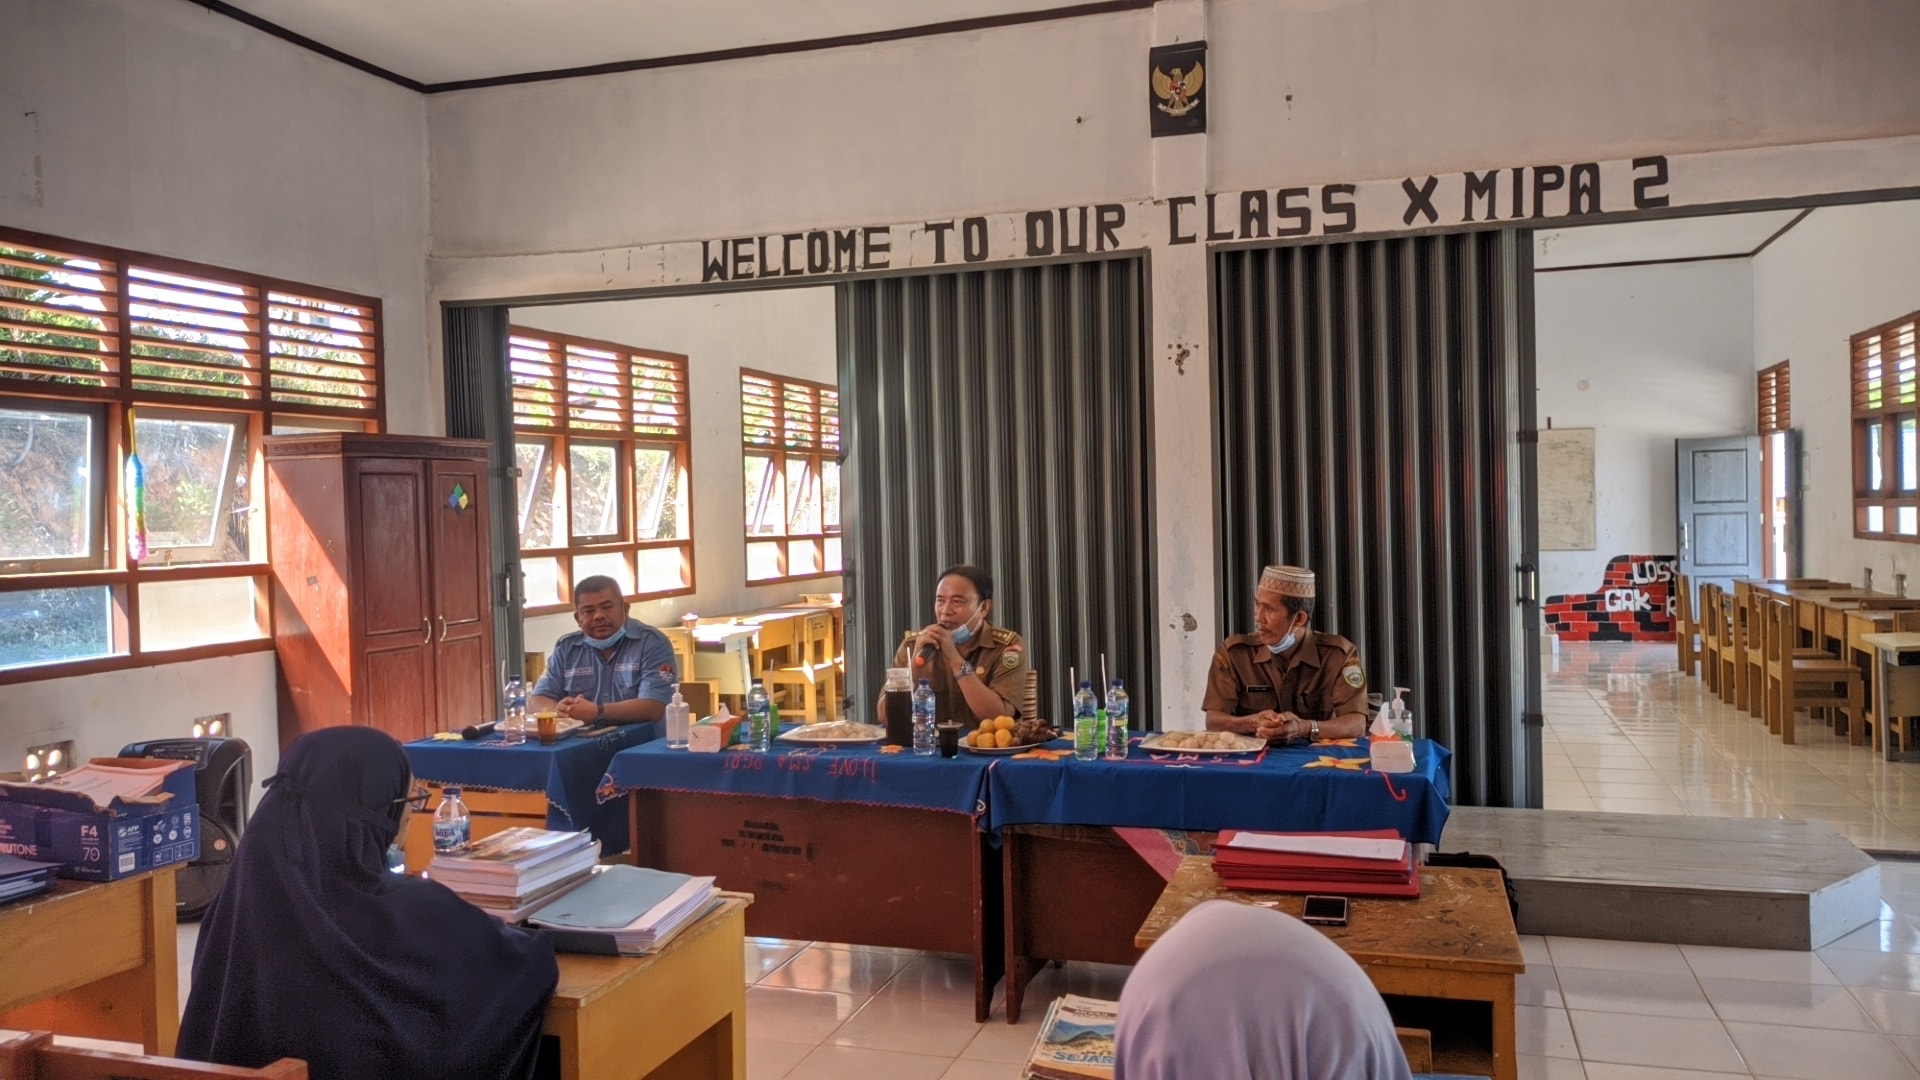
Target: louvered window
1886, 445
790, 429
601, 441
111, 357
1776, 399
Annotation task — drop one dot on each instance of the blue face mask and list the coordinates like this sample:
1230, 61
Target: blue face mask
1285, 643
963, 633
607, 642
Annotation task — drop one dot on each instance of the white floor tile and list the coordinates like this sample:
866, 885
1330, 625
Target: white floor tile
970, 1069
1533, 1067
1896, 1012
1652, 993
766, 954
1785, 1003
1617, 955
921, 1026
803, 1016
1886, 971
1669, 1042
1004, 1042
1814, 1054
1892, 933
1778, 965
842, 971
1538, 985
846, 1062
1543, 1032
771, 1059
1600, 1070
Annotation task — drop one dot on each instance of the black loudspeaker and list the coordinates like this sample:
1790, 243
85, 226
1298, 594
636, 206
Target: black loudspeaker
223, 783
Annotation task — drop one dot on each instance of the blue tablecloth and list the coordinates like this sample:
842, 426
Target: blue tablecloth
568, 773
853, 774
1291, 790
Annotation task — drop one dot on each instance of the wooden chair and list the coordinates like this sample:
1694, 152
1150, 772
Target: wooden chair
807, 663
1686, 628
706, 690
33, 1056
1750, 652
1795, 681
1712, 598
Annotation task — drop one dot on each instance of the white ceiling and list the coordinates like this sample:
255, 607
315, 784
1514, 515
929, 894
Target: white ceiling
1665, 239
438, 41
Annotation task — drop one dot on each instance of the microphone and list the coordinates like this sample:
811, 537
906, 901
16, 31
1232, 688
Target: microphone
478, 731
927, 653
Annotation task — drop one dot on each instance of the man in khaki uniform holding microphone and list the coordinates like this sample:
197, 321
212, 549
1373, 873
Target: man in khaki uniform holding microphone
1285, 682
978, 670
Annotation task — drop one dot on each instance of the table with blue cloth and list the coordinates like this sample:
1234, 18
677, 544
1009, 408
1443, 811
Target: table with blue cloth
859, 843
567, 775
1072, 830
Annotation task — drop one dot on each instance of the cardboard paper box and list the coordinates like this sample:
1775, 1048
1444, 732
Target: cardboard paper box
130, 836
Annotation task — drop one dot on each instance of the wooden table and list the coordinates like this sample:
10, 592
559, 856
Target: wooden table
1051, 870
731, 650
677, 1014
1456, 943
98, 960
1896, 691
837, 871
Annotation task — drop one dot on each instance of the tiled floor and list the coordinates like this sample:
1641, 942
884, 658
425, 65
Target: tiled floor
1627, 732
1624, 732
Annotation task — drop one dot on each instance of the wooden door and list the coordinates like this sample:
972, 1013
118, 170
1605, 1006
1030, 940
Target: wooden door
394, 686
1717, 489
462, 594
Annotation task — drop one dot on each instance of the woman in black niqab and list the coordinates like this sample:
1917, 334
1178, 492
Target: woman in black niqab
313, 950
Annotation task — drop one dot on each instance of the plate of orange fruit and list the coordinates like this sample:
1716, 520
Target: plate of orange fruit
1005, 735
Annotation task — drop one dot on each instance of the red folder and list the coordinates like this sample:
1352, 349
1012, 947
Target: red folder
1295, 872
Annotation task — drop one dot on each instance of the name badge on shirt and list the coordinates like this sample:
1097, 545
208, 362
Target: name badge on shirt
1260, 689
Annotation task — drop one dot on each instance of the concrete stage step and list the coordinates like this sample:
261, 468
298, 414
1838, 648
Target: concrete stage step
1757, 883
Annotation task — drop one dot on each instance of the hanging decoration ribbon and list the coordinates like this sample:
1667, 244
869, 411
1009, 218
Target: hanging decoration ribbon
134, 497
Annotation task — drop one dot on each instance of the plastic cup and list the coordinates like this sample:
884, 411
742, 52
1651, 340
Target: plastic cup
949, 739
549, 727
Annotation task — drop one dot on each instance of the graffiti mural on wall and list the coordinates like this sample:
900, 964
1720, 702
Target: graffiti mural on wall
1634, 603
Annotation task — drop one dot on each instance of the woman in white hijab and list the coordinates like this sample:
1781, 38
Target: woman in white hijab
1234, 992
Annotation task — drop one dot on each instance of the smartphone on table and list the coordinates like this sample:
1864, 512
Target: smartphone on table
1325, 911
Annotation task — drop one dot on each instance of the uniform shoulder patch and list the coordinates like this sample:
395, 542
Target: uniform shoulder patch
1002, 636
1355, 678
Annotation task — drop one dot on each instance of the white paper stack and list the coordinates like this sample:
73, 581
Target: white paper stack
633, 909
514, 872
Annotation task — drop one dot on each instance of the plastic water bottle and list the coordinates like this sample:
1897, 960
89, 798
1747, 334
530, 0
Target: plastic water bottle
925, 739
513, 723
679, 721
1086, 724
1117, 705
451, 827
759, 718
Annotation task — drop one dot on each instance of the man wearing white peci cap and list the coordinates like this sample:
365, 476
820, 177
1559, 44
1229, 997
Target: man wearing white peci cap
1285, 682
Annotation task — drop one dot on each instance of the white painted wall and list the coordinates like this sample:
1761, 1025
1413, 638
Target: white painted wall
1842, 270
783, 331
1643, 355
560, 188
158, 126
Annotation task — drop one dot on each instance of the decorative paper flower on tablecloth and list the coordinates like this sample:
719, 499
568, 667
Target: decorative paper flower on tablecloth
1048, 755
891, 749
1338, 742
1328, 761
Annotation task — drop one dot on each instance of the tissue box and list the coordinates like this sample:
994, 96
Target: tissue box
1390, 755
712, 735
128, 837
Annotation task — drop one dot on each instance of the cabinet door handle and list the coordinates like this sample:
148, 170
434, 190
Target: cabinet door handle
443, 628
427, 625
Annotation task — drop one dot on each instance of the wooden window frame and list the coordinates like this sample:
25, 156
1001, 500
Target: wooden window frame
1774, 395
563, 428
118, 389
781, 446
1884, 399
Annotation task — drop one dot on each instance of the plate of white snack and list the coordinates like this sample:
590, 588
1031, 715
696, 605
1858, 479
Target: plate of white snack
1202, 742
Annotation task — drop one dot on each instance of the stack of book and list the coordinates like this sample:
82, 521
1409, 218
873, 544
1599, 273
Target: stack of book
1375, 863
23, 877
1076, 1041
625, 910
513, 873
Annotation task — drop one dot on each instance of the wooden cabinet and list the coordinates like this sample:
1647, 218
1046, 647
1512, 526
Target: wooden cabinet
382, 582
